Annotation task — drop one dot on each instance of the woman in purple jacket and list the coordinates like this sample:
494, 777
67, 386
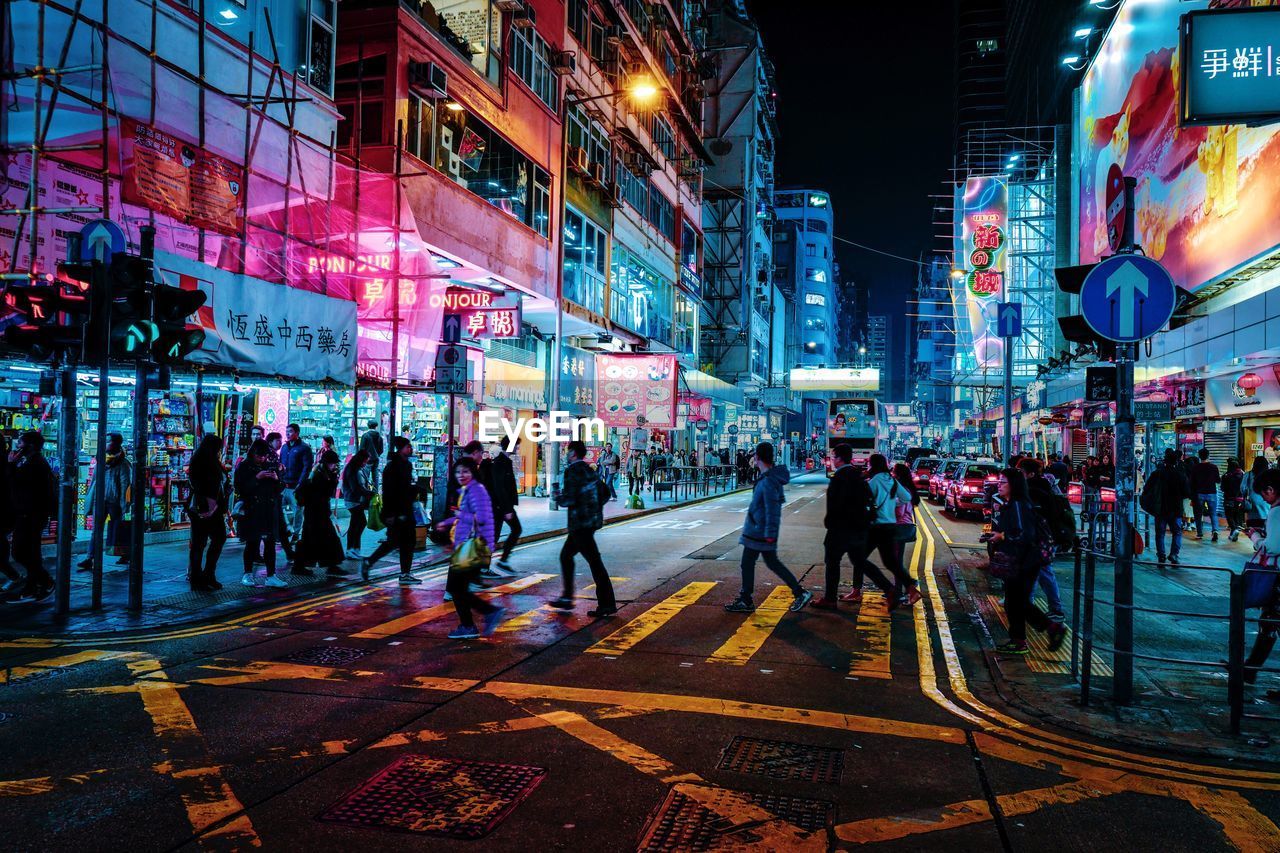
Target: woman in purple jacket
474, 518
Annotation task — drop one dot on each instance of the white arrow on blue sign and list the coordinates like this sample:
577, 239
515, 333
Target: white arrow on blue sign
100, 239
1127, 298
1009, 320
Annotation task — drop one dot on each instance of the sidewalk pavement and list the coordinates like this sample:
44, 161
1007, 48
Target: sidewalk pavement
1179, 706
168, 600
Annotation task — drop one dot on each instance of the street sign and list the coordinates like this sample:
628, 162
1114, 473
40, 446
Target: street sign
701, 424
1127, 298
1152, 411
1115, 206
100, 239
451, 379
1009, 320
452, 328
733, 429
774, 397
450, 355
1100, 384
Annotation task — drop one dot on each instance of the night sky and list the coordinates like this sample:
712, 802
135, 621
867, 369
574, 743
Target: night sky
865, 112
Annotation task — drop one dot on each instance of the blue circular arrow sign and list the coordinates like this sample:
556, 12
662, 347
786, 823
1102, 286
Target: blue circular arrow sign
1127, 298
100, 239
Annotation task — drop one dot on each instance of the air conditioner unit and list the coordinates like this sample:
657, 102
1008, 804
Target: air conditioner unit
579, 161
613, 35
509, 5
564, 62
523, 19
637, 164
428, 79
598, 174
613, 195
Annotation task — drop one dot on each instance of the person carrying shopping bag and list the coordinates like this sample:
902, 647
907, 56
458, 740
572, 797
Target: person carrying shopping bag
473, 541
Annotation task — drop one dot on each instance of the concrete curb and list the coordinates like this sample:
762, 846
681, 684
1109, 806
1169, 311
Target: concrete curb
337, 585
1013, 696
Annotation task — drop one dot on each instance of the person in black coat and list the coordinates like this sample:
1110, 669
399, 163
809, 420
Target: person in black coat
504, 493
207, 511
398, 496
257, 482
31, 480
847, 521
319, 543
6, 522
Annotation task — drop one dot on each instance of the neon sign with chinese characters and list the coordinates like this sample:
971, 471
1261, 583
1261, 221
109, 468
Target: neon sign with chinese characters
983, 246
484, 314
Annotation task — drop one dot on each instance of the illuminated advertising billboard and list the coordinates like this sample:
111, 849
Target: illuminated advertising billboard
1206, 196
983, 257
835, 379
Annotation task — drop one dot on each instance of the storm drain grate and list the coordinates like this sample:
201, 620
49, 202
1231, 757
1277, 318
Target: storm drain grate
433, 796
682, 823
779, 759
327, 655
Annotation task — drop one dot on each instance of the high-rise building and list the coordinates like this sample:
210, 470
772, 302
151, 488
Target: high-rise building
740, 129
980, 75
805, 260
876, 343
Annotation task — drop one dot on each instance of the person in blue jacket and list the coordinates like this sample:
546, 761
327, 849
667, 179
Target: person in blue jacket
760, 533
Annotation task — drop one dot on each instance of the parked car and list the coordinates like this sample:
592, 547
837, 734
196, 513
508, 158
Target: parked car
966, 491
923, 467
941, 475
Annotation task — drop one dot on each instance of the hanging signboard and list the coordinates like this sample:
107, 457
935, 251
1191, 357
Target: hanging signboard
634, 386
255, 326
483, 313
577, 382
179, 179
1229, 66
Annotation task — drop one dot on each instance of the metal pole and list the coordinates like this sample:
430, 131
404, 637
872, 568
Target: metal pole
1126, 477
138, 525
1075, 615
102, 281
138, 510
1086, 645
67, 436
1235, 653
553, 448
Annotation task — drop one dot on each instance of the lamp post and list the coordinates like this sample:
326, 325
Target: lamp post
641, 90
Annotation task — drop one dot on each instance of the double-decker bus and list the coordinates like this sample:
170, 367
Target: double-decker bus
861, 423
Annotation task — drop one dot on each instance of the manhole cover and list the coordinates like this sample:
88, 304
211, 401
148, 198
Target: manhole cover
780, 759
327, 655
681, 823
35, 674
456, 799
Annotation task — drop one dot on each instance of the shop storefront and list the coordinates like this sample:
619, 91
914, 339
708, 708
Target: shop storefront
518, 392
1249, 404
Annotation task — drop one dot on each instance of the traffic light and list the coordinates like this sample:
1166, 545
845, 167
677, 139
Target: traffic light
1073, 326
132, 330
171, 306
50, 313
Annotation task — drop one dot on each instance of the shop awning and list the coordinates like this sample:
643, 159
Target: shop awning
697, 382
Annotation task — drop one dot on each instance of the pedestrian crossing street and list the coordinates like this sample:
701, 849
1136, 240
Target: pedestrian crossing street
865, 630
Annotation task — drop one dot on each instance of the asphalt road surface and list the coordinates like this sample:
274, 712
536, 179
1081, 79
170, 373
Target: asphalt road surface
351, 722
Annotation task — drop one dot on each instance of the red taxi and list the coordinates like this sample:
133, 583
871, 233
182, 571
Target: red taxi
941, 476
966, 492
922, 469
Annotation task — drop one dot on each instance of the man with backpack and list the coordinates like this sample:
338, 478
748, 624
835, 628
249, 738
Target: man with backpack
585, 495
1162, 498
848, 522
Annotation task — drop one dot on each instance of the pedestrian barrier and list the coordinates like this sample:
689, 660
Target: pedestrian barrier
1083, 643
682, 482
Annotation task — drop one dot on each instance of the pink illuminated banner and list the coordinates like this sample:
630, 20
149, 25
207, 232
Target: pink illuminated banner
636, 389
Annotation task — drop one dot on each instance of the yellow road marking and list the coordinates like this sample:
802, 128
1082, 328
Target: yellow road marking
651, 620
43, 784
17, 673
754, 826
873, 630
748, 639
1041, 659
249, 672
427, 614
724, 707
204, 791
929, 510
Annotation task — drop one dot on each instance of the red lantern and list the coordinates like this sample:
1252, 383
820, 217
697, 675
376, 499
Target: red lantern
1250, 382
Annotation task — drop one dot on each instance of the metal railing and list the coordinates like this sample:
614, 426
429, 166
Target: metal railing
681, 482
1083, 644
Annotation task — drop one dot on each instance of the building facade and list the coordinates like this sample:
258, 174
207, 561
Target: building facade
806, 261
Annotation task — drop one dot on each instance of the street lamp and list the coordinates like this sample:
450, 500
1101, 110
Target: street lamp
642, 90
